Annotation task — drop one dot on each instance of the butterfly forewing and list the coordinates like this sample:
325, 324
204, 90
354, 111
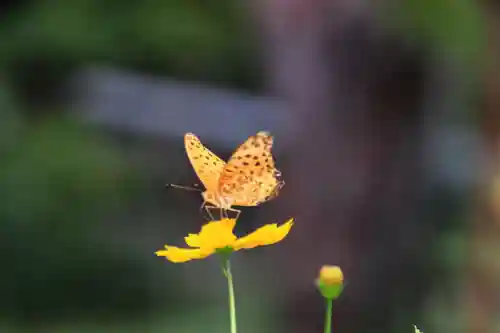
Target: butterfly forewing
249, 177
207, 165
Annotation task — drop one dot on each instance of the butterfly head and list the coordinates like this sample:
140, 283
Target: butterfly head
278, 187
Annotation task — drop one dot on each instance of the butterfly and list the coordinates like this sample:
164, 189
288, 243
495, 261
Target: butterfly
249, 178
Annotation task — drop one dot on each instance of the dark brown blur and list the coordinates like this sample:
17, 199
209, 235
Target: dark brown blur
386, 131
355, 173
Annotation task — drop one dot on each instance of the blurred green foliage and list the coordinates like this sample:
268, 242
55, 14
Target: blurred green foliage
11, 123
209, 318
58, 167
42, 42
454, 30
58, 182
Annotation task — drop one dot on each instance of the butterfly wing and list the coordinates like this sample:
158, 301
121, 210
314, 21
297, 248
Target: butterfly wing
207, 166
250, 176
270, 187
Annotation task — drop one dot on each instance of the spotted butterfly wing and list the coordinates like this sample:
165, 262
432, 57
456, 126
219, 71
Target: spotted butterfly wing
270, 186
250, 177
207, 166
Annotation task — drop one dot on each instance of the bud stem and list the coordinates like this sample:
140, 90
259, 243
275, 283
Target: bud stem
328, 315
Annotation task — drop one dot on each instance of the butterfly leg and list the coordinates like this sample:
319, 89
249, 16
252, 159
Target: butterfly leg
204, 205
237, 211
209, 209
223, 213
210, 216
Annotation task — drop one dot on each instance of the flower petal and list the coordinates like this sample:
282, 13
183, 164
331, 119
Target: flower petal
192, 240
176, 254
266, 235
217, 234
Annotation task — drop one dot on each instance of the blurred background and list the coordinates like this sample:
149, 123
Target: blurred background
386, 124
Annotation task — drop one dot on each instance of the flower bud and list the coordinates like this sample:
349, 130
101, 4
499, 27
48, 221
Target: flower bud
330, 281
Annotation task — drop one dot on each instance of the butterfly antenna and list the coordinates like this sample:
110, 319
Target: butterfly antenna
195, 187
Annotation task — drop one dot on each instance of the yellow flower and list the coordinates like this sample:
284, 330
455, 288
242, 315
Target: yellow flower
218, 235
417, 330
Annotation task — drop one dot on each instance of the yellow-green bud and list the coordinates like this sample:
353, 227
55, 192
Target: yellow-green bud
331, 275
330, 281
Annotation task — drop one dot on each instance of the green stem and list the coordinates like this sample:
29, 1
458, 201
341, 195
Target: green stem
328, 318
232, 307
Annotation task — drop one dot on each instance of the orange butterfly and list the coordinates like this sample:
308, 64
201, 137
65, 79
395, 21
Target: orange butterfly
247, 179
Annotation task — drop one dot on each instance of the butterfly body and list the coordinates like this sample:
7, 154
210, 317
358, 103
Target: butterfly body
247, 179
214, 198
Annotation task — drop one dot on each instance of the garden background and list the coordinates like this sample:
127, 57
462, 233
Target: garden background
386, 125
